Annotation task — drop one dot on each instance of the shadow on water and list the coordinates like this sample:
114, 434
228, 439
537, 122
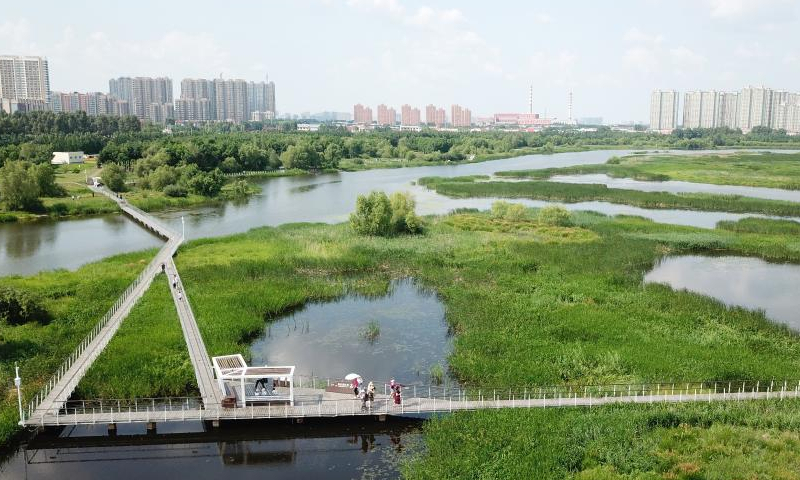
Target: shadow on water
329, 448
401, 334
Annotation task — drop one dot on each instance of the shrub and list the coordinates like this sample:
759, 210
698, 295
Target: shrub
174, 191
555, 215
373, 214
377, 214
18, 307
508, 211
404, 219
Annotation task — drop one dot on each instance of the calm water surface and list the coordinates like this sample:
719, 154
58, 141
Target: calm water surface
335, 450
745, 282
326, 339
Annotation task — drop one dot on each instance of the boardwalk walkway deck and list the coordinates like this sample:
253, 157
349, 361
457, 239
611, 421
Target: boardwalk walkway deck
59, 388
203, 370
315, 404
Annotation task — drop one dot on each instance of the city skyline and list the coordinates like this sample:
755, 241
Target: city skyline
448, 52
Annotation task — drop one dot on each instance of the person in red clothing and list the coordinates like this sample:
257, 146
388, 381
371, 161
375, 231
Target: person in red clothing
355, 386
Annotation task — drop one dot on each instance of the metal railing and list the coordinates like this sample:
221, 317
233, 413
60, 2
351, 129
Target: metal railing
416, 400
248, 173
86, 342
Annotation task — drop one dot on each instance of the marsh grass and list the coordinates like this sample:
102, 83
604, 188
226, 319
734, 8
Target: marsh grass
573, 193
371, 332
621, 442
76, 300
772, 170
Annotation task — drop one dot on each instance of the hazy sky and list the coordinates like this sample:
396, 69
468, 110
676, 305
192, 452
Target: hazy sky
330, 54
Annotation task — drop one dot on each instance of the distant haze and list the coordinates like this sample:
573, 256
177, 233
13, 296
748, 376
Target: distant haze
331, 54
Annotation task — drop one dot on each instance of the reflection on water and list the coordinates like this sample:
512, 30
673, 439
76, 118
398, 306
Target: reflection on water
674, 186
347, 448
327, 339
746, 282
27, 248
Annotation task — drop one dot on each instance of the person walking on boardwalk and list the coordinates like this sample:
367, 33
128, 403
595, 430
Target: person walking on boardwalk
371, 393
397, 398
355, 386
364, 398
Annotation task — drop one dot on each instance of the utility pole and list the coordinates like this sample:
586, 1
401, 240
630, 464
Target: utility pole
183, 227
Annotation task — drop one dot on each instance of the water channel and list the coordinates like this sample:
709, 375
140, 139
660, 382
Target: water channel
27, 248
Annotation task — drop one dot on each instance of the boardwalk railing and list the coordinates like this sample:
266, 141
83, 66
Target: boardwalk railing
416, 400
249, 173
65, 366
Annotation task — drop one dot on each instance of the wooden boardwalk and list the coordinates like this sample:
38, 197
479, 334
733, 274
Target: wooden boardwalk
203, 370
60, 387
316, 404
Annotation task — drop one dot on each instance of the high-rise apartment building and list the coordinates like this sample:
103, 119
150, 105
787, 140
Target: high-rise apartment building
386, 115
430, 114
460, 116
141, 93
93, 103
729, 110
405, 114
409, 115
755, 108
701, 109
121, 88
231, 100
664, 111
261, 96
441, 118
25, 80
362, 114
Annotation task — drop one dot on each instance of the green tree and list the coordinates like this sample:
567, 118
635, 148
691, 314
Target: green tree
373, 215
19, 188
114, 177
163, 176
45, 177
207, 184
302, 156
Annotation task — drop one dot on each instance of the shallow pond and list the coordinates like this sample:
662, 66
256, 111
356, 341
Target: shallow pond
329, 340
740, 281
